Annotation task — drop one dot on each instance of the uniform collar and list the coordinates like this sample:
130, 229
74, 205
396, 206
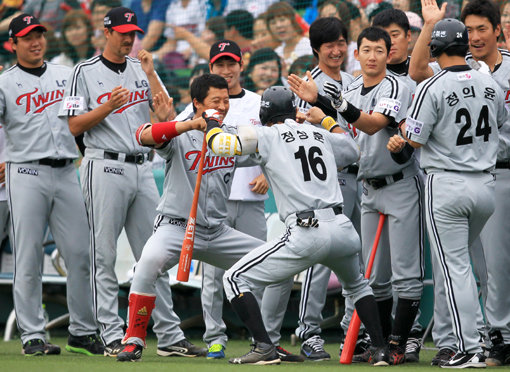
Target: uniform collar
115, 67
458, 68
37, 71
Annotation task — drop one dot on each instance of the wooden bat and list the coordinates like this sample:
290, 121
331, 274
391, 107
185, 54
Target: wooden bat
352, 332
189, 235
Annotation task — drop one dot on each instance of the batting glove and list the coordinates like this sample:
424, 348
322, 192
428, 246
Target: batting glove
335, 95
212, 118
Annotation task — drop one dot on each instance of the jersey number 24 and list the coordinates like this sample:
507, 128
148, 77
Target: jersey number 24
482, 125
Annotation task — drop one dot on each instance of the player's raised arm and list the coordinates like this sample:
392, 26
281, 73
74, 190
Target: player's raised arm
419, 68
158, 133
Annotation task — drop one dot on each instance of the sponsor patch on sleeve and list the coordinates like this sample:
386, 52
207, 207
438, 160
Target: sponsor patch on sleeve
413, 127
388, 104
74, 103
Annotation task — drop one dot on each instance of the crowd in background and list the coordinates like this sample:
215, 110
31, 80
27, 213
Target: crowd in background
272, 34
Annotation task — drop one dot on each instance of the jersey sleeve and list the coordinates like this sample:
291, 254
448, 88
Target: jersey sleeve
421, 115
503, 109
392, 100
345, 149
76, 96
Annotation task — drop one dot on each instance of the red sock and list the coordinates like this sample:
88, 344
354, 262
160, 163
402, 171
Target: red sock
140, 309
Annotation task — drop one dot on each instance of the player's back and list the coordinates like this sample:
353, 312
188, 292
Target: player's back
466, 107
301, 162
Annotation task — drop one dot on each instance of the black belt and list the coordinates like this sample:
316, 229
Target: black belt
55, 163
139, 158
503, 164
377, 183
353, 169
311, 214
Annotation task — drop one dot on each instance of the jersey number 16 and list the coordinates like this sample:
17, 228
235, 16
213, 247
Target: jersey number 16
311, 161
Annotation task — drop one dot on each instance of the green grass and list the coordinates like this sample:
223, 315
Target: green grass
12, 360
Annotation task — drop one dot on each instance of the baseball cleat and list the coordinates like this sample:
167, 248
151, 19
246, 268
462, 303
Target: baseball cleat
379, 356
260, 354
113, 348
50, 349
313, 349
443, 355
466, 360
216, 351
130, 353
413, 347
183, 348
89, 345
286, 356
34, 347
397, 354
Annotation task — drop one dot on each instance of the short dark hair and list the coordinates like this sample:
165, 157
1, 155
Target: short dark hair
375, 34
242, 21
217, 25
456, 50
389, 16
325, 30
109, 3
482, 8
200, 87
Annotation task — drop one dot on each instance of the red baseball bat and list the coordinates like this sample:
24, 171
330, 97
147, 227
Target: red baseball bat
189, 235
352, 333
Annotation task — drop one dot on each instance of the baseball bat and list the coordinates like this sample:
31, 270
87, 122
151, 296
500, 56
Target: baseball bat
189, 235
352, 332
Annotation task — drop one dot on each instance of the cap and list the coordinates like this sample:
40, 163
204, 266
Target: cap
225, 48
23, 24
415, 21
122, 20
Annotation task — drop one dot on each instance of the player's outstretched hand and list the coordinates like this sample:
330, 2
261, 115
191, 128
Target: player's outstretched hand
396, 144
306, 90
260, 185
300, 117
335, 95
431, 13
213, 119
163, 107
147, 64
315, 115
119, 97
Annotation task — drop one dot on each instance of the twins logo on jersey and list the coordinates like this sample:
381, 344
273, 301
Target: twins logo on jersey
39, 102
136, 97
211, 164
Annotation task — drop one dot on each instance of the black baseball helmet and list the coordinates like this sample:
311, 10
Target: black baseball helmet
276, 105
448, 32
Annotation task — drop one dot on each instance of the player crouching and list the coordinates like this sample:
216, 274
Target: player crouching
300, 163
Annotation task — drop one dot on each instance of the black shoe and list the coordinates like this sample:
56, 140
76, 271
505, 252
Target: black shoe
182, 348
363, 357
50, 349
443, 355
313, 349
466, 360
286, 356
500, 352
130, 353
34, 347
379, 356
89, 345
397, 354
362, 344
113, 348
260, 354
413, 347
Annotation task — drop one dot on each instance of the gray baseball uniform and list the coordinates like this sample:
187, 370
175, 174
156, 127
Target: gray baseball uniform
118, 185
314, 288
457, 159
215, 243
42, 189
392, 189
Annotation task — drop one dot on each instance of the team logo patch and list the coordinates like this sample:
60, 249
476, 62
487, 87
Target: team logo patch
414, 127
113, 170
73, 103
463, 76
30, 172
389, 104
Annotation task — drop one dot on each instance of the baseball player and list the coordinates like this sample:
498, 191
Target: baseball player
216, 243
303, 175
374, 104
460, 188
328, 39
245, 210
107, 98
479, 16
42, 190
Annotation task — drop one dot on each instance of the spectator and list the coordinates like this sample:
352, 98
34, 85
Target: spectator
505, 24
75, 41
151, 19
303, 64
98, 9
50, 12
263, 71
416, 24
240, 29
262, 38
282, 23
255, 7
